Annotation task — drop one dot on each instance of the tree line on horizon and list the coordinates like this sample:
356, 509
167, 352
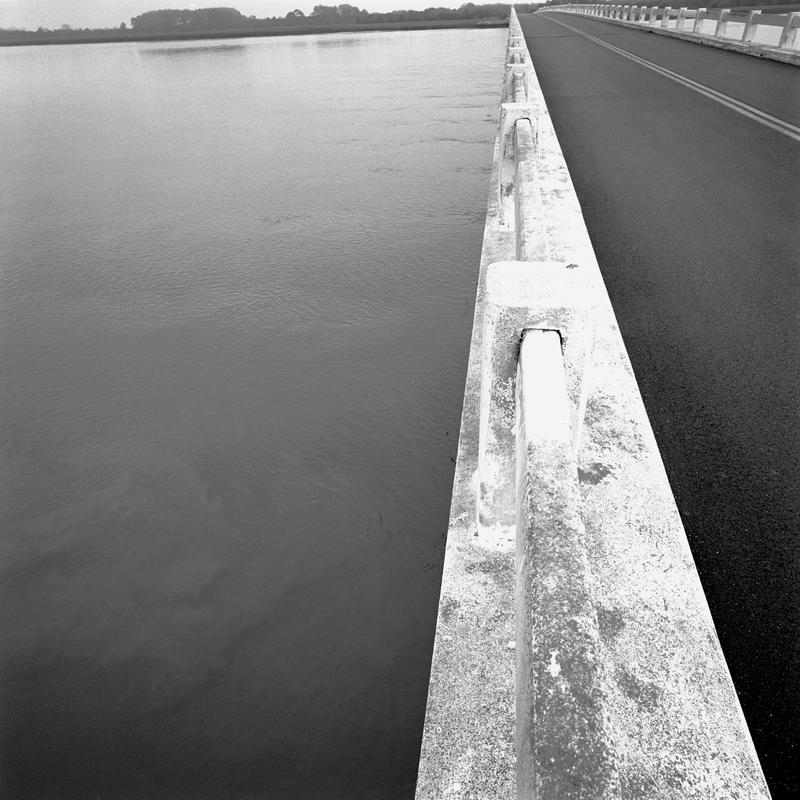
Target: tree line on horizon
207, 19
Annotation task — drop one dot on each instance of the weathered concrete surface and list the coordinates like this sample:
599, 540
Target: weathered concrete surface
675, 729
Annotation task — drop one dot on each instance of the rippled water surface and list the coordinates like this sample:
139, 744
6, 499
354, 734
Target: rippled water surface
236, 288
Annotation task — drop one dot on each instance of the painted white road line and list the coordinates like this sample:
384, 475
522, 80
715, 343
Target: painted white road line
780, 125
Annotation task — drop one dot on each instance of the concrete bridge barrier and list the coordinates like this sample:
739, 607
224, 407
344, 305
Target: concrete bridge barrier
761, 34
575, 656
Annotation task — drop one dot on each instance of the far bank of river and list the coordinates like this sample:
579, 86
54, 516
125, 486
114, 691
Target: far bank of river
16, 38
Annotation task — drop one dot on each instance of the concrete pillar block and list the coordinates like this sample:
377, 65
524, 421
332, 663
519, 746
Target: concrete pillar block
516, 55
510, 113
665, 18
680, 18
515, 87
522, 295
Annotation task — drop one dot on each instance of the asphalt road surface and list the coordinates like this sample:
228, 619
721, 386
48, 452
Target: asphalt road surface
687, 167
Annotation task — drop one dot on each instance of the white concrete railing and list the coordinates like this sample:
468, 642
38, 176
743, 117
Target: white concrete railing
778, 31
574, 655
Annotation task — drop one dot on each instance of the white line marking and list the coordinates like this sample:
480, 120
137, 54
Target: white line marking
780, 125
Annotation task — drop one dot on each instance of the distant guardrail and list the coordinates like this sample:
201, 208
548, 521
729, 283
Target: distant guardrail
764, 34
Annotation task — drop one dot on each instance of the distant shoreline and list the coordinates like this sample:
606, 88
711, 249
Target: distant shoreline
96, 37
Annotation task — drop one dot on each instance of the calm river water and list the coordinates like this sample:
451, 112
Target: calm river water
236, 289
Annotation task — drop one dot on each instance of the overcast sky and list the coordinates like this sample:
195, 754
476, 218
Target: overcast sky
109, 13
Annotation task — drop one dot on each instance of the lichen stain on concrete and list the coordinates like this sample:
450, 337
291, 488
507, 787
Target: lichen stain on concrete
645, 694
610, 621
607, 426
498, 566
447, 607
593, 473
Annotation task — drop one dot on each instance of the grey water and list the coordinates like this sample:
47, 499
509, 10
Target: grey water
236, 291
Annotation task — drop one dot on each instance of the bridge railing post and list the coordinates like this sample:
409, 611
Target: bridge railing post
698, 21
750, 26
680, 18
653, 15
789, 31
722, 22
665, 18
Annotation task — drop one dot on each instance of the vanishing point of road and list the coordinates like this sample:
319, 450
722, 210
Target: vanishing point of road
686, 161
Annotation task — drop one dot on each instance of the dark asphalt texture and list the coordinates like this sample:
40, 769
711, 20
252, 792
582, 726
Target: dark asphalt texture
693, 210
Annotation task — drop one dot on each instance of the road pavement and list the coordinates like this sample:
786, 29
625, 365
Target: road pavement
686, 161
